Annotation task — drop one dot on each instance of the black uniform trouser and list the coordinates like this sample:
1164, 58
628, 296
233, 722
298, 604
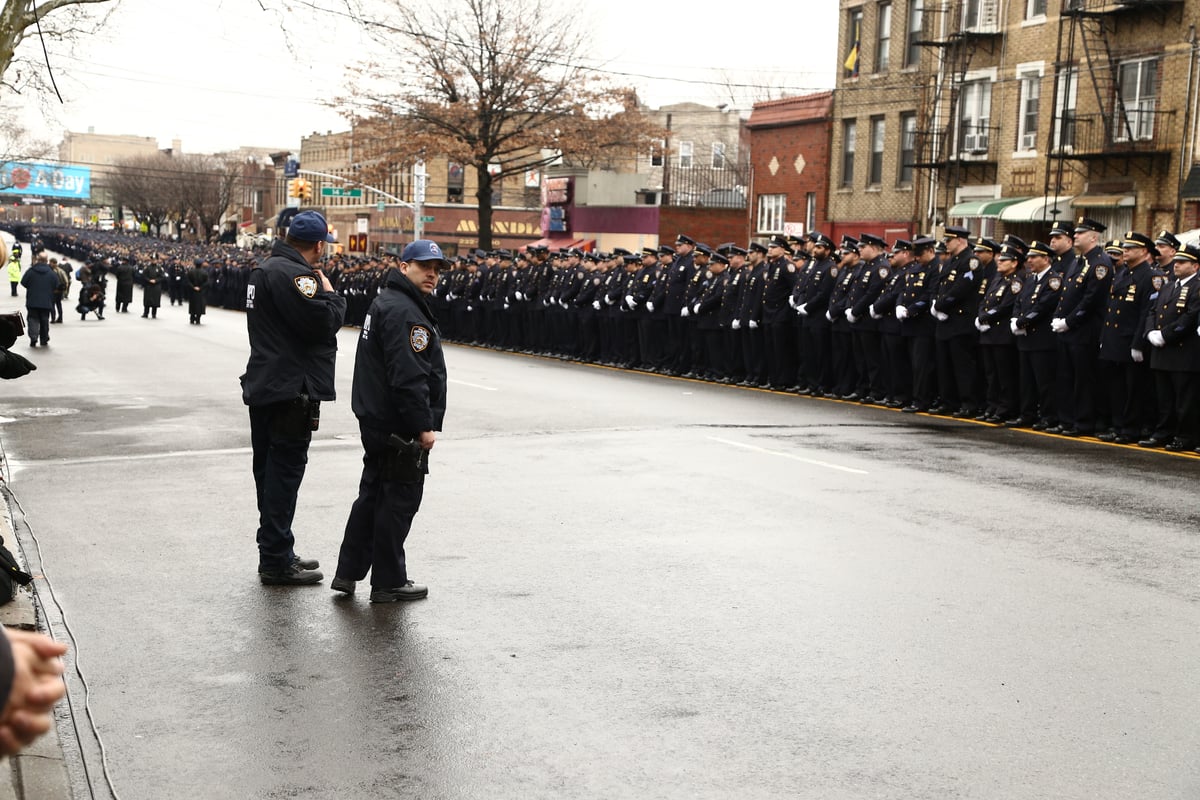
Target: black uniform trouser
894, 370
1177, 394
814, 344
380, 518
733, 345
716, 353
957, 370
866, 361
1077, 384
1129, 395
1002, 377
922, 357
754, 355
1038, 390
279, 437
676, 350
781, 351
842, 353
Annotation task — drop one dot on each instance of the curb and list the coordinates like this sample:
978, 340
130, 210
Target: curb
39, 771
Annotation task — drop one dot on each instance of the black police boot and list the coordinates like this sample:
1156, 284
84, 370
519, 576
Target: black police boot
291, 576
409, 591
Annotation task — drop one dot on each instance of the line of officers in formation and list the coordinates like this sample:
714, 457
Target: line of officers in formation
1074, 335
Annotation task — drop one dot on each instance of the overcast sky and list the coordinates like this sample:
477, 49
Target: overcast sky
218, 74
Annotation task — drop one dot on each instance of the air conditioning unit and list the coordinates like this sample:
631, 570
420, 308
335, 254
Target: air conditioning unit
1029, 141
975, 143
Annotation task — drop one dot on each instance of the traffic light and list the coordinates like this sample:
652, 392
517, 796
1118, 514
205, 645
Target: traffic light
293, 187
305, 190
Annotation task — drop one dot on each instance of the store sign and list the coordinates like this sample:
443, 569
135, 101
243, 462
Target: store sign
45, 180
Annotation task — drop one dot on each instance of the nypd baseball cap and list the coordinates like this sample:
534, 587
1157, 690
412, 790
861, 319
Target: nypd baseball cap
310, 226
425, 250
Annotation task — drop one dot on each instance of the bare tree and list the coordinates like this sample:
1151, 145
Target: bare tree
207, 189
51, 19
146, 185
494, 85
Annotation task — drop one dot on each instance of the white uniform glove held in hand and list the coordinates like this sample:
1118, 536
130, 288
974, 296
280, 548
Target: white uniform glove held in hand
1156, 338
1136, 355
850, 317
650, 306
901, 312
683, 312
753, 324
1058, 325
737, 325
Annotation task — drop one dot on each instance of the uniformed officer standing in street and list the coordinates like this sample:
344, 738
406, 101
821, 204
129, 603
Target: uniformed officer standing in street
399, 397
1175, 354
955, 308
1030, 323
292, 316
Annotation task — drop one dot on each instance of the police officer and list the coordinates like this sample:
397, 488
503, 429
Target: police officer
955, 308
292, 316
197, 286
779, 337
1175, 354
399, 397
916, 324
1030, 323
997, 343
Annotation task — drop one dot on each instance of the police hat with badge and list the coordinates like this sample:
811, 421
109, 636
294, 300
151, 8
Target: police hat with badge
821, 240
1167, 238
985, 245
704, 250
1189, 253
1087, 224
757, 247
871, 240
849, 244
955, 232
1060, 229
684, 239
1133, 239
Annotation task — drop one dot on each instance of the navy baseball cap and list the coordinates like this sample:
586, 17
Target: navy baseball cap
310, 226
424, 250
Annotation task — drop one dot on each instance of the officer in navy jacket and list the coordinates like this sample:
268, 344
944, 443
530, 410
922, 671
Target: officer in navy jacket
1175, 353
292, 317
399, 397
1036, 303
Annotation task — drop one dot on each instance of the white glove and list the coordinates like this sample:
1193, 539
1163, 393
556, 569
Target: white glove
985, 328
850, 316
519, 296
470, 308
506, 306
1156, 339
650, 306
901, 312
874, 314
696, 308
596, 304
1136, 355
803, 309
683, 312
563, 303
942, 316
629, 301
737, 325
979, 326
450, 297
791, 301
829, 316
753, 324
1012, 326
608, 300
1058, 325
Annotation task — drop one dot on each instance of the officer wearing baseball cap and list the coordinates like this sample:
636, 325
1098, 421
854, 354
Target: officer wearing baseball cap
292, 316
399, 397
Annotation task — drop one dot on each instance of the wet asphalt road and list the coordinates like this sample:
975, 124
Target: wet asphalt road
639, 588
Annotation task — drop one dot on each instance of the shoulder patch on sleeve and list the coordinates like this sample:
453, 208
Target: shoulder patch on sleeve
419, 338
306, 285
974, 264
791, 267
1101, 272
883, 273
1054, 282
1157, 282
1016, 287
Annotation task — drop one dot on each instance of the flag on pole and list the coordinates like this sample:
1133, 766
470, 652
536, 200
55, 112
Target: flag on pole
851, 63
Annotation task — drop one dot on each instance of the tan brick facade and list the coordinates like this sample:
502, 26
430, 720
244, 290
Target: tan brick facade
996, 119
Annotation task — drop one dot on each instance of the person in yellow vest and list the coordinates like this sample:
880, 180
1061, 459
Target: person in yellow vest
14, 269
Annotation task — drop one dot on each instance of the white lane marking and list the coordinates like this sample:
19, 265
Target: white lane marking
812, 461
474, 385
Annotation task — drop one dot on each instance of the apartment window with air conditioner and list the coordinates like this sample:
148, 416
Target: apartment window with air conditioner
1030, 82
980, 16
1137, 87
771, 210
973, 124
1064, 110
685, 154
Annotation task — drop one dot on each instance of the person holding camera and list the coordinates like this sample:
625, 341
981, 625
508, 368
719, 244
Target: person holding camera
399, 397
292, 317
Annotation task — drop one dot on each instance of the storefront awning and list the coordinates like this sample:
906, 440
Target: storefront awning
1039, 209
984, 208
1104, 201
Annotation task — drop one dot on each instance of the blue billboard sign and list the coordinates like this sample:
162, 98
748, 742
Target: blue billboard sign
29, 179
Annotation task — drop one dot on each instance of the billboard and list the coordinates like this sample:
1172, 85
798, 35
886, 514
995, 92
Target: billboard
29, 179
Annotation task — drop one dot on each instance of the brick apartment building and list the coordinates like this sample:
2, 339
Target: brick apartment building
1008, 115
789, 147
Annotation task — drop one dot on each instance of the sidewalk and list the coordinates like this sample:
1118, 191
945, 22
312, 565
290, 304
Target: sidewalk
39, 771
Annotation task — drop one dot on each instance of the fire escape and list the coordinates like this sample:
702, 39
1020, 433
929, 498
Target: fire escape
955, 142
1124, 128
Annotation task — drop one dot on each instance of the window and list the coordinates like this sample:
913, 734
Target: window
1064, 109
979, 15
1027, 120
849, 133
908, 148
883, 41
854, 27
916, 18
718, 155
771, 208
875, 172
1035, 9
976, 114
1137, 94
454, 183
810, 212
685, 154
656, 153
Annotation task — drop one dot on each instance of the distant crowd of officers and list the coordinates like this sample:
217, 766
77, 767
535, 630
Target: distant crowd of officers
1075, 335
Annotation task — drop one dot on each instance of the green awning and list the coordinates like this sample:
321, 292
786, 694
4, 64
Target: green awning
984, 208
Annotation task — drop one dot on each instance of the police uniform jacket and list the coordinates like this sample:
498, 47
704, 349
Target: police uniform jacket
840, 296
197, 278
1034, 308
709, 316
752, 293
292, 323
866, 290
996, 308
681, 274
1064, 264
920, 283
658, 296
1133, 290
1176, 312
885, 304
816, 289
399, 369
731, 302
695, 285
957, 295
152, 292
780, 281
1084, 296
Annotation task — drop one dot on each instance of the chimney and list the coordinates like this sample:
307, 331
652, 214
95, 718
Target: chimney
176, 147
